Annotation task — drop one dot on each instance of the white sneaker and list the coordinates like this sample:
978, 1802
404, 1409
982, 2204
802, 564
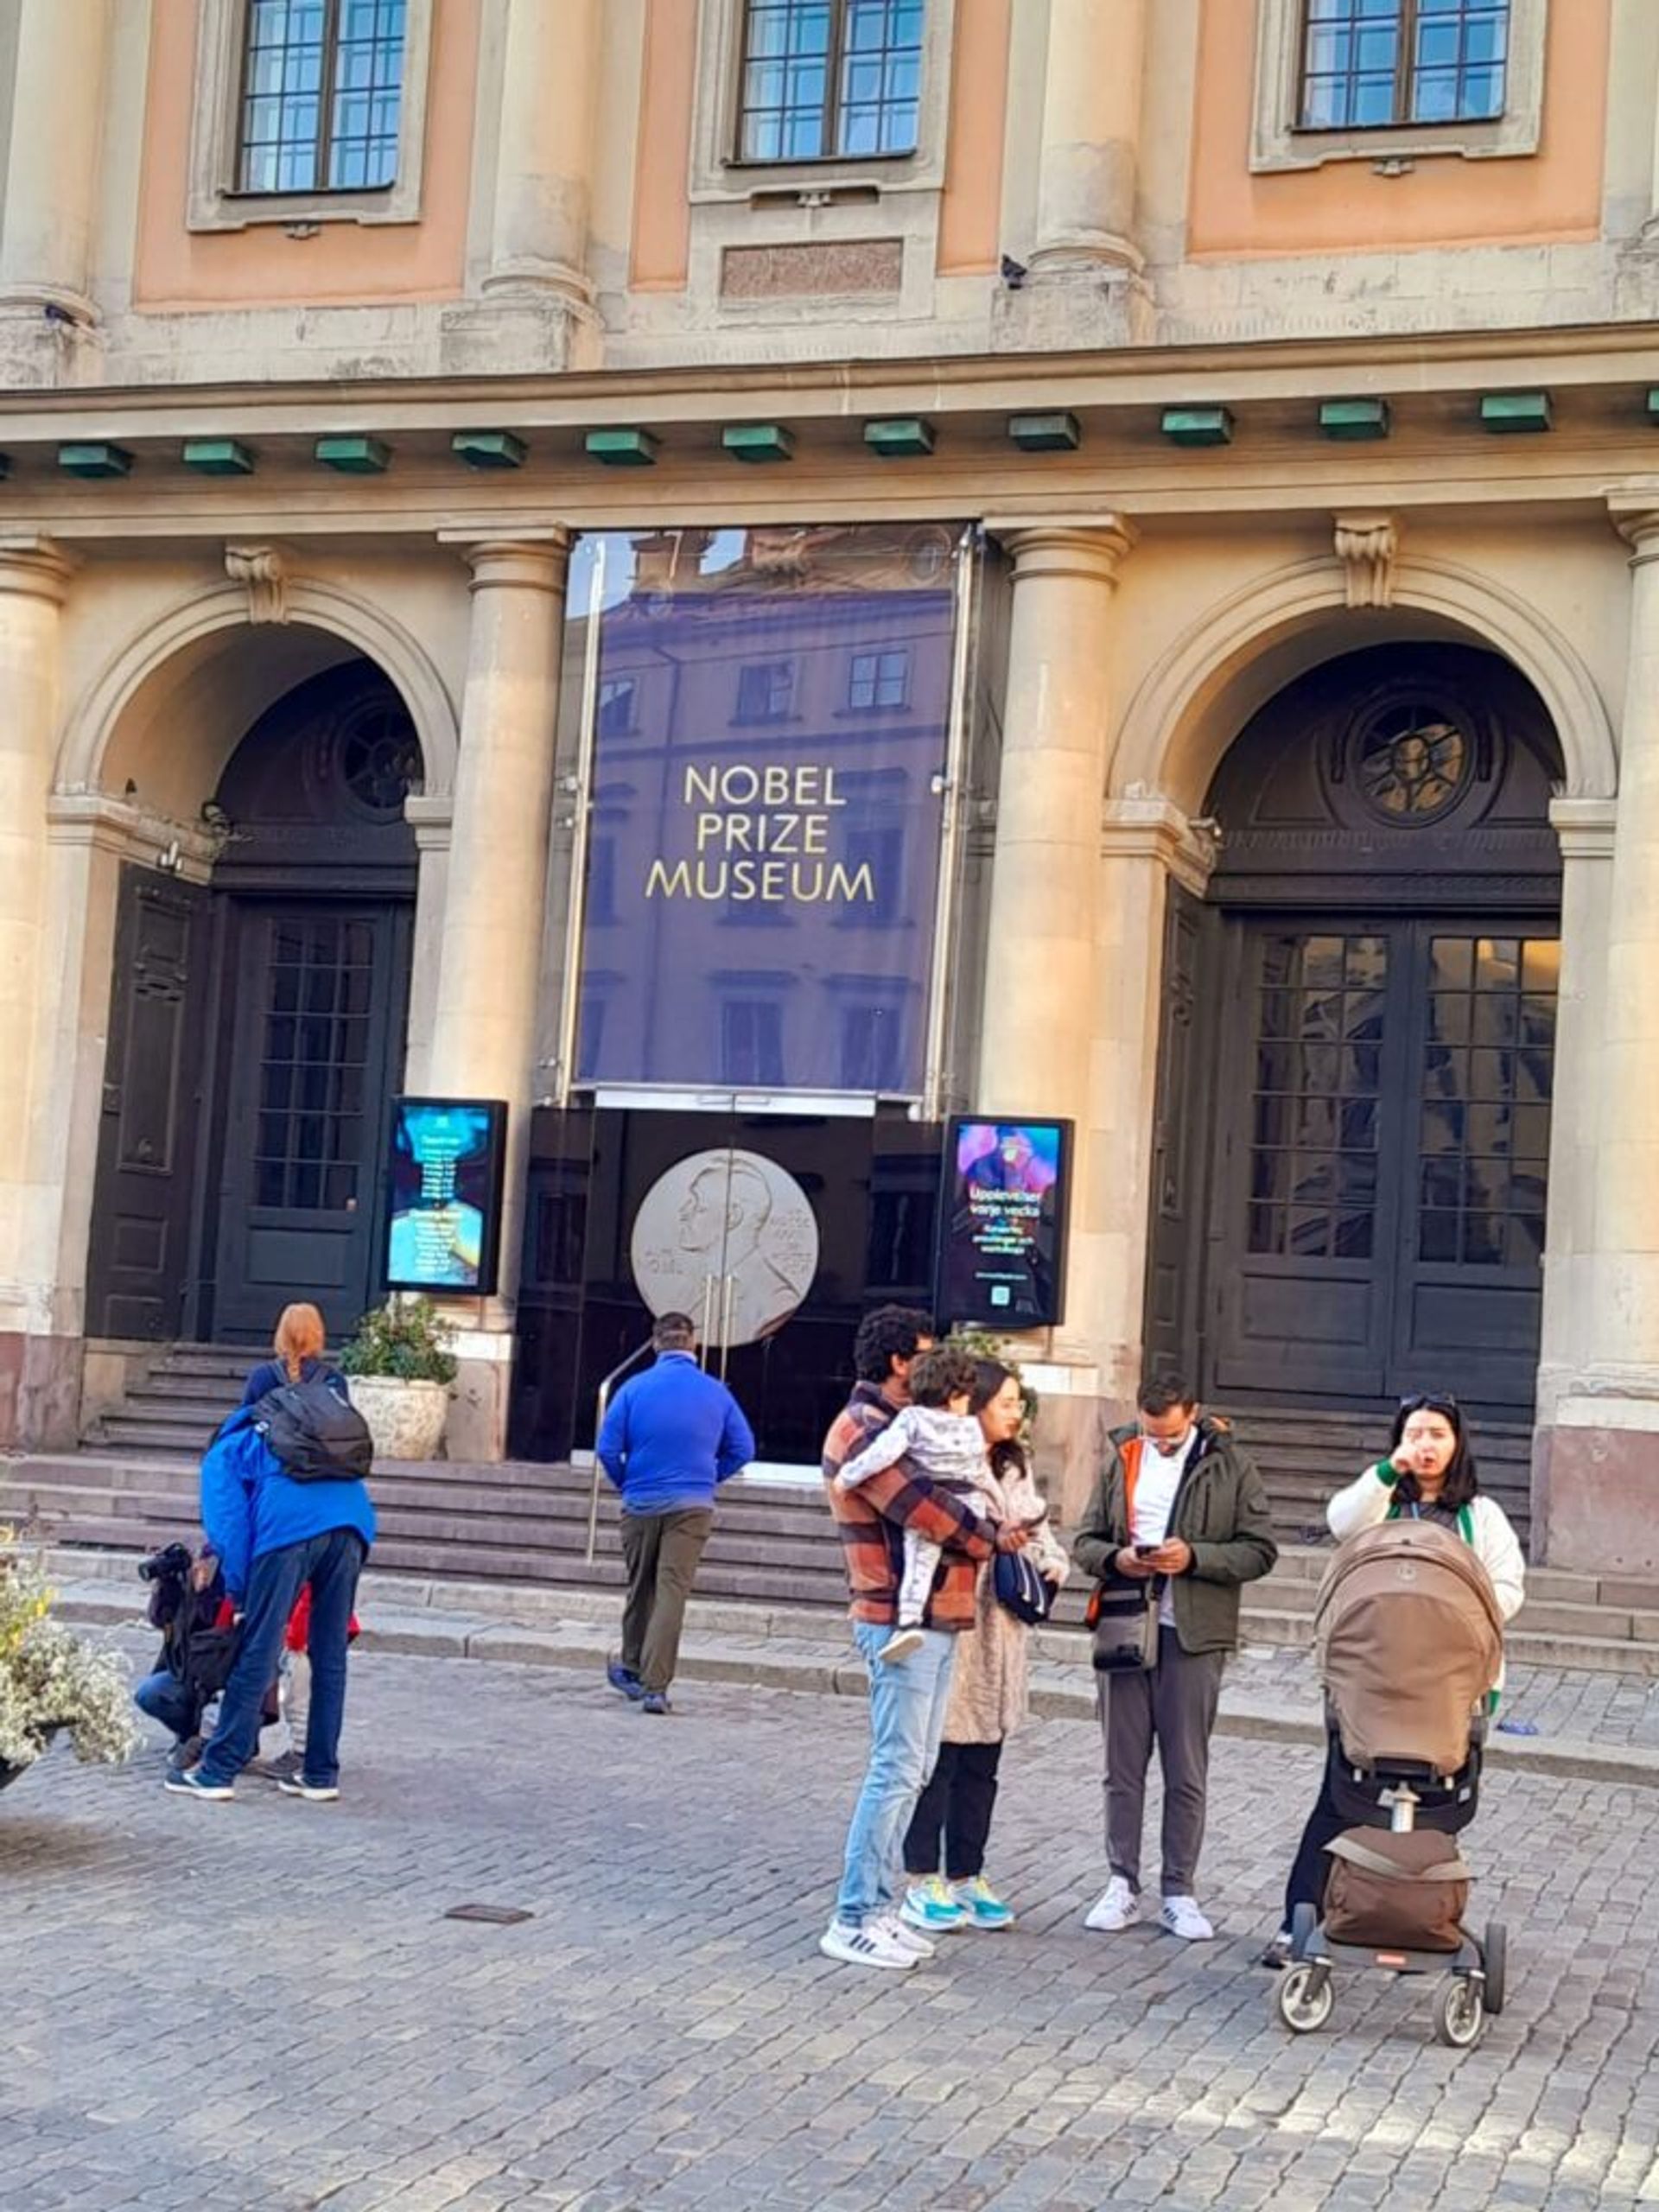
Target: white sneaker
901, 1933
873, 1945
1114, 1908
1181, 1916
899, 1645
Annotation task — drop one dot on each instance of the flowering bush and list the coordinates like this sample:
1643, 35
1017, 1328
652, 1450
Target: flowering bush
49, 1679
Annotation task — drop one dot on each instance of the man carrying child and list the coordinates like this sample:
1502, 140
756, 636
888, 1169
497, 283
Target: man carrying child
907, 1699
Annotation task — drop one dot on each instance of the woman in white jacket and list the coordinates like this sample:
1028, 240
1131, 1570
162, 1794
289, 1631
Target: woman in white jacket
1429, 1475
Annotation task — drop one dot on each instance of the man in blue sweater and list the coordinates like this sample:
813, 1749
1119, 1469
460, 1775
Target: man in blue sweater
672, 1435
274, 1534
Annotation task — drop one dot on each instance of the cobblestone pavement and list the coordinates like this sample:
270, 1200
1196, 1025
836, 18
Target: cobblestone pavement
259, 2006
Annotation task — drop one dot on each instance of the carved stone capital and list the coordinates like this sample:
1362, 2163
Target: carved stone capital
262, 574
1368, 547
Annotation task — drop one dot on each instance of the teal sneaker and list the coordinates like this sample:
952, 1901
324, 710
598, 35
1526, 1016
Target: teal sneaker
930, 1906
980, 1906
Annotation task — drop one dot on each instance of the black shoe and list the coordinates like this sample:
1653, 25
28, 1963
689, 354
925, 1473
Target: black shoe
624, 1679
1276, 1957
655, 1701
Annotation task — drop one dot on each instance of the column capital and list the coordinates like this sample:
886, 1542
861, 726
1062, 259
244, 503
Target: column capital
1584, 827
536, 560
1092, 547
1145, 825
35, 567
1635, 514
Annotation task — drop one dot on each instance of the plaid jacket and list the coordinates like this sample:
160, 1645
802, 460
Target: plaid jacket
873, 1517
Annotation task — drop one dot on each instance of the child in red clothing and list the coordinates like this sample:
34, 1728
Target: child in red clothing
294, 1687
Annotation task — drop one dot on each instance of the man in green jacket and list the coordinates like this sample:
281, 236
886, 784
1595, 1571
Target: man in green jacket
1178, 1510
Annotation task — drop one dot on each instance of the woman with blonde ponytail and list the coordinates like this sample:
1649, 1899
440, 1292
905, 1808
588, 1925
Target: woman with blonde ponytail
300, 1345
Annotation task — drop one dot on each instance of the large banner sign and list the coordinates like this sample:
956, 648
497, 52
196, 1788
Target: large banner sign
772, 712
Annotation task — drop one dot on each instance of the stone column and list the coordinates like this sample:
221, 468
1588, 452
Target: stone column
36, 1382
52, 167
538, 242
1091, 137
483, 1015
1043, 968
1596, 1464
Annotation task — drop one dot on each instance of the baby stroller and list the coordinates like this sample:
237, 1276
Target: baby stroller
1408, 1642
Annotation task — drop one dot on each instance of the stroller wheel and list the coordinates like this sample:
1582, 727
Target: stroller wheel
1459, 2012
1303, 1997
1495, 1954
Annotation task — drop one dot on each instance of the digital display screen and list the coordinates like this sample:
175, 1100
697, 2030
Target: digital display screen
1002, 1239
443, 1213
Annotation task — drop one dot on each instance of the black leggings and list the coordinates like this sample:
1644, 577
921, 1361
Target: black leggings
953, 1814
1312, 1866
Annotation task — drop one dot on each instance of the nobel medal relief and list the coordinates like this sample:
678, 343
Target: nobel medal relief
720, 1216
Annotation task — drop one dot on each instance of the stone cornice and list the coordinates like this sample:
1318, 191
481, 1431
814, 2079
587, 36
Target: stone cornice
1585, 827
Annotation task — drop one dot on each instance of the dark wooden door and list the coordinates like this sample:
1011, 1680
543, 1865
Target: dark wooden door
137, 1261
1383, 1125
1184, 1080
321, 991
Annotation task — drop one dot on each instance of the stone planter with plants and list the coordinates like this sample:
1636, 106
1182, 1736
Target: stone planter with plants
50, 1679
399, 1370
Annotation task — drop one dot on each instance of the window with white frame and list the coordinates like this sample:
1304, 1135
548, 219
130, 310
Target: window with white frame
1388, 81
1369, 64
309, 111
879, 679
822, 79
321, 91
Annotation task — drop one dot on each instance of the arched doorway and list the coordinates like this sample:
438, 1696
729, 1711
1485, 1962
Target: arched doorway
257, 1031
1356, 1046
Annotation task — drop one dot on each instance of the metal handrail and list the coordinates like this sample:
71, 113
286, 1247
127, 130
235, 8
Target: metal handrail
601, 1408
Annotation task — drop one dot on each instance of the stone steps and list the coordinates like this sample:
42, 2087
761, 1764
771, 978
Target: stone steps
451, 1525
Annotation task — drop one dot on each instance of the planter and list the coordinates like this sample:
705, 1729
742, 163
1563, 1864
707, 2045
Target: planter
405, 1419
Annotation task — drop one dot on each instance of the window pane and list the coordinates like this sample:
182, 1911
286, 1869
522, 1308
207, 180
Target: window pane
786, 81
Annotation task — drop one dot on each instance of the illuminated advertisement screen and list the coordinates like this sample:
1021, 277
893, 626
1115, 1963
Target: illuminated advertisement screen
1002, 1234
771, 713
443, 1211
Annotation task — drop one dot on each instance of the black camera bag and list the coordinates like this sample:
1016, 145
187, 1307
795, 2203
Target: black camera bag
316, 1434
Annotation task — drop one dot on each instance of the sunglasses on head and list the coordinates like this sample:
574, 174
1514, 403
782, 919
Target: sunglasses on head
1429, 1401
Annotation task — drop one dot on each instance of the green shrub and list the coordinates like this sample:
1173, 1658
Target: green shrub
982, 1343
406, 1338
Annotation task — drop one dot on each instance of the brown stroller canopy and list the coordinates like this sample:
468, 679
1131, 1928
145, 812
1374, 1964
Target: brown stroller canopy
1408, 1641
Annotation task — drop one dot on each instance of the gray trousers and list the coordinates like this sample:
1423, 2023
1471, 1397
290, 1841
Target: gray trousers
1173, 1704
662, 1551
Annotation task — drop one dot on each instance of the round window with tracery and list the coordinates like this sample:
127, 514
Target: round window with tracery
379, 756
1412, 761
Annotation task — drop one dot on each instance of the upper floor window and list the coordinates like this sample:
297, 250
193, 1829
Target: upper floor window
830, 78
766, 691
1375, 65
879, 679
321, 95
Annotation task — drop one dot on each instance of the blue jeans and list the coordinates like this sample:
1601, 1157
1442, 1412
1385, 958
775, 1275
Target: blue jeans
331, 1564
166, 1698
907, 1704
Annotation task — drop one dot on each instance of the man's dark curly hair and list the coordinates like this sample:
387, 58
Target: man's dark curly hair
887, 1334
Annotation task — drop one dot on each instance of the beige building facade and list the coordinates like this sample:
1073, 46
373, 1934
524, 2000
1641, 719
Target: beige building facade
1283, 386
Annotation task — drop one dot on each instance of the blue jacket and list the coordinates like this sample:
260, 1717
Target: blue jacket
250, 1506
672, 1436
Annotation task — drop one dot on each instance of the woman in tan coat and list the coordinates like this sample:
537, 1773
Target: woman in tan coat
944, 1849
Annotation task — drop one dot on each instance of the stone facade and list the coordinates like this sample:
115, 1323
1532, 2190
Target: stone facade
1088, 228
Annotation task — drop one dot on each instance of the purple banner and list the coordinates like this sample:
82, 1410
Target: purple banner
772, 717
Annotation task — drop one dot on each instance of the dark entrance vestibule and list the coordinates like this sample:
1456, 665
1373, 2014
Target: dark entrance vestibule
1357, 1044
256, 1034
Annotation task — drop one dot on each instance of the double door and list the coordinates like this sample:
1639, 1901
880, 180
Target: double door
319, 992
1378, 1183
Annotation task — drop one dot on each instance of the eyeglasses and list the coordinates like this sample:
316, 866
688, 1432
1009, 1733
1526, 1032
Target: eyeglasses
1428, 1401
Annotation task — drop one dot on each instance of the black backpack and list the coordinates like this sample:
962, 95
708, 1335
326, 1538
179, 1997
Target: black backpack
316, 1434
